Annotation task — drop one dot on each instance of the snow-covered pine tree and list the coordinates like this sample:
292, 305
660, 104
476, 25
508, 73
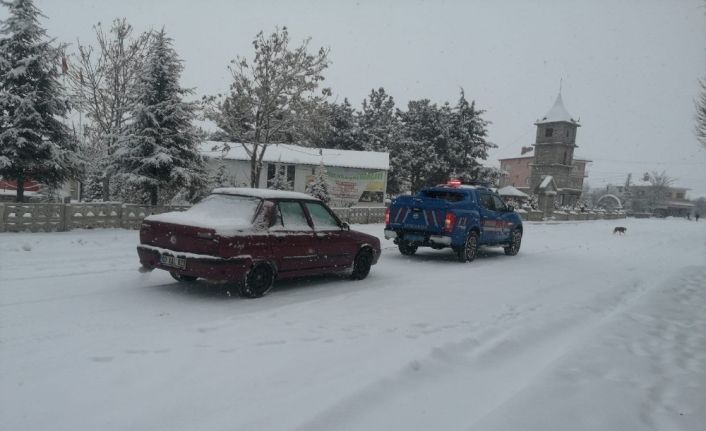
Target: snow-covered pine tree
159, 154
379, 129
378, 122
343, 131
319, 186
419, 158
468, 144
34, 143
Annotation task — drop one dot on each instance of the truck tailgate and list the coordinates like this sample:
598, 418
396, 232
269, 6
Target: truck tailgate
418, 214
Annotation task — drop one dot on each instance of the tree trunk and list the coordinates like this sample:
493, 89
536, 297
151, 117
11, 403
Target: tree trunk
20, 189
153, 195
254, 172
106, 188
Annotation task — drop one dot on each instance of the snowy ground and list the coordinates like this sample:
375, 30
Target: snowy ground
583, 330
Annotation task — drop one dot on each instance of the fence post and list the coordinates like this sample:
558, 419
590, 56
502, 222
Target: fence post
2, 217
65, 214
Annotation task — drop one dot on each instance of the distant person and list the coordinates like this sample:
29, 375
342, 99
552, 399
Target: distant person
696, 216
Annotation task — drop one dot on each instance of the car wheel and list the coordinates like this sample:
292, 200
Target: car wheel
361, 264
406, 248
182, 278
259, 281
470, 248
514, 246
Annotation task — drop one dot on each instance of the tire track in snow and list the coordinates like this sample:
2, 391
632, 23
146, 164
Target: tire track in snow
502, 356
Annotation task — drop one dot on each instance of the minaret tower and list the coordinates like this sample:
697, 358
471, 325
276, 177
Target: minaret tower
554, 152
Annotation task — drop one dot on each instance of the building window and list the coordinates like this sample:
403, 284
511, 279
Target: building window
280, 176
548, 132
680, 195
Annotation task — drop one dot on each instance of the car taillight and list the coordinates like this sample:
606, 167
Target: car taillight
387, 216
449, 222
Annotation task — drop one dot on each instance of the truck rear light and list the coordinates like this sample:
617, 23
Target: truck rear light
449, 222
387, 216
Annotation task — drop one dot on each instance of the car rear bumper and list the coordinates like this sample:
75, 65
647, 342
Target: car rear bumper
209, 267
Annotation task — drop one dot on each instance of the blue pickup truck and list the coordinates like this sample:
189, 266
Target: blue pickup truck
462, 217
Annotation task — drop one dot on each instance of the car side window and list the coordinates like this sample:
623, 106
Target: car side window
323, 220
499, 204
487, 201
290, 216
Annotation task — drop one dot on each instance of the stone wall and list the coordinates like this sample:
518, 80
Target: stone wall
571, 216
28, 217
43, 217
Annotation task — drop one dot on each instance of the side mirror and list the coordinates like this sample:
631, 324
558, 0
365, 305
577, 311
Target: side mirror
510, 208
345, 226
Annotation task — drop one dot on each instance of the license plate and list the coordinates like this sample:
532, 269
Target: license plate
414, 238
173, 261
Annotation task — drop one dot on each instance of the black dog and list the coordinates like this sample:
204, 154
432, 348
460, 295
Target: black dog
619, 229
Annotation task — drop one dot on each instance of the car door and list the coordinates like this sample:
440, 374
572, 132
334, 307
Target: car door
488, 219
293, 241
335, 246
504, 217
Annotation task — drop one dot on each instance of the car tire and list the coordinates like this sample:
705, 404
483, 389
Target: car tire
258, 281
515, 243
469, 250
406, 248
182, 278
362, 263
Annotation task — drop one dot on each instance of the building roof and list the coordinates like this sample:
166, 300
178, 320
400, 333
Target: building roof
512, 192
557, 114
295, 154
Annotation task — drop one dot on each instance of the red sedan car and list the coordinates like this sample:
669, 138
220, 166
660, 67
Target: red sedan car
252, 237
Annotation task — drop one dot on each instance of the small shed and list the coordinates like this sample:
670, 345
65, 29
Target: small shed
510, 192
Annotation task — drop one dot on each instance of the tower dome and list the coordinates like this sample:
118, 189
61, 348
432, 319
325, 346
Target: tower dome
557, 114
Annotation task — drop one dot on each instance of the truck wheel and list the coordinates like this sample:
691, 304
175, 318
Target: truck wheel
515, 243
406, 248
258, 282
182, 278
361, 264
470, 248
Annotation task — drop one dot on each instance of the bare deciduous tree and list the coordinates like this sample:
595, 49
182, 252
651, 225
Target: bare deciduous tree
102, 78
272, 99
701, 115
658, 192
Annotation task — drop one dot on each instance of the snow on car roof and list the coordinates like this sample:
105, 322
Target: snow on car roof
263, 193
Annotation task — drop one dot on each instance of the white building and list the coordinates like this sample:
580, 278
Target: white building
355, 178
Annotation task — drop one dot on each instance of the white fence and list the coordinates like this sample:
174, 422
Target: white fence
36, 217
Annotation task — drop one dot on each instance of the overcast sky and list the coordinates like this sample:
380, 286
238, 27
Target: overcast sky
630, 69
